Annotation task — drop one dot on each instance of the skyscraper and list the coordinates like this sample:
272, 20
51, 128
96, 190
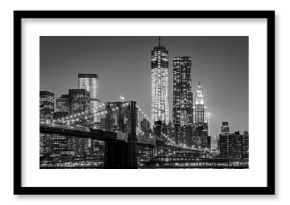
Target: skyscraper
62, 104
159, 84
182, 94
182, 99
214, 143
79, 100
200, 124
199, 105
225, 129
231, 145
145, 127
62, 107
46, 106
89, 82
245, 145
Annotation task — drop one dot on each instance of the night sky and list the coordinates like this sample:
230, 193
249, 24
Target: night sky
123, 66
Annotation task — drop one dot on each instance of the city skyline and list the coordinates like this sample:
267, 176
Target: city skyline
220, 63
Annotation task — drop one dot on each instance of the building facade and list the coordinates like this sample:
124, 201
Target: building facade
200, 133
145, 127
79, 100
201, 124
169, 131
159, 84
199, 105
90, 82
62, 107
225, 129
46, 106
230, 146
182, 111
214, 143
234, 145
62, 104
245, 143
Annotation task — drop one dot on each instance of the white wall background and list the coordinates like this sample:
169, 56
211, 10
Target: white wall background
282, 98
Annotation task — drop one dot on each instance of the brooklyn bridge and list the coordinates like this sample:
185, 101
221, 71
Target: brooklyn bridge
123, 144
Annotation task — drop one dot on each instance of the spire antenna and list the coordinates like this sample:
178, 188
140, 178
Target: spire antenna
198, 82
159, 41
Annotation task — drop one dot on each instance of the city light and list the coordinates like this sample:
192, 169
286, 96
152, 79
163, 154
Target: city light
83, 130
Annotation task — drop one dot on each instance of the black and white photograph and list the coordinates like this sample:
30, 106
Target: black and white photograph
145, 102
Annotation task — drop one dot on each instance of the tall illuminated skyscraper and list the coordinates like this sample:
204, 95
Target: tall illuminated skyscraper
182, 94
89, 82
159, 84
199, 105
182, 112
201, 124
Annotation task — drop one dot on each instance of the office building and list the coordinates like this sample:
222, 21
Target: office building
46, 106
145, 127
201, 126
62, 108
182, 111
225, 129
232, 146
159, 84
199, 106
245, 143
214, 143
90, 82
79, 100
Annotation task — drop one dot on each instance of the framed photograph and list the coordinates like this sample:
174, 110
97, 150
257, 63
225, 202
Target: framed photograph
144, 102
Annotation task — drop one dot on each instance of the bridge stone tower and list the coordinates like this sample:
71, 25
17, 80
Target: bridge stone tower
121, 116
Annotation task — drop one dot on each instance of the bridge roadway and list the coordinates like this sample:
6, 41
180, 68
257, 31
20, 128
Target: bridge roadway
85, 132
78, 131
106, 136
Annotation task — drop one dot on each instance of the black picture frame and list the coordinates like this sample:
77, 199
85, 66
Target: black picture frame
268, 190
